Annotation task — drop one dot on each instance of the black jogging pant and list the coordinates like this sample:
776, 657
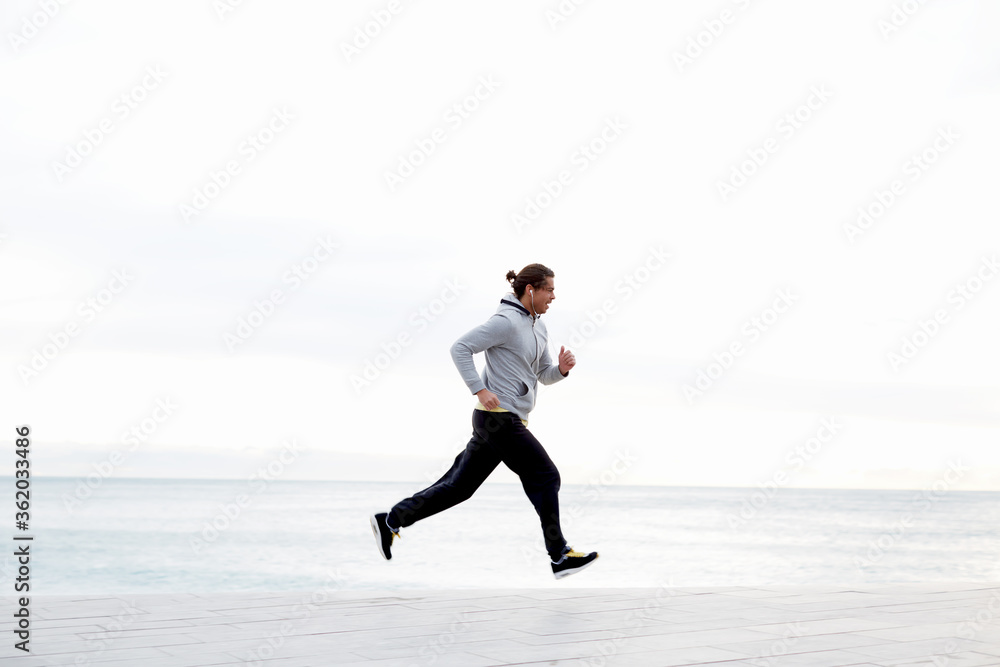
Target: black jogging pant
496, 437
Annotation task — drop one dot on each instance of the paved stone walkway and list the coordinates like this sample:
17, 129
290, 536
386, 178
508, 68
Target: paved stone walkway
944, 625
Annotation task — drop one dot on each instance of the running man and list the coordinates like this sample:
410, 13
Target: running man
517, 357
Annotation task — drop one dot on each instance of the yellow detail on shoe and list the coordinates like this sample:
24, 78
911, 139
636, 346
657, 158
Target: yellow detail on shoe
574, 554
480, 406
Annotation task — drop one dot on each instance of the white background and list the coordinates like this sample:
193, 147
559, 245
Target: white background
355, 115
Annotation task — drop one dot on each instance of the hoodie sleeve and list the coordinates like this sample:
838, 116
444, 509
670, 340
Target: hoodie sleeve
548, 372
495, 331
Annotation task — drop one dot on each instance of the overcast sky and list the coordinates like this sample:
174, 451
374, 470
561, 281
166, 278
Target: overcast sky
214, 218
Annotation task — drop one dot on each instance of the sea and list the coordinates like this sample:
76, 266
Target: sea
184, 535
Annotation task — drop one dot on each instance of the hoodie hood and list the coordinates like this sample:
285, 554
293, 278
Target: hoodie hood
510, 302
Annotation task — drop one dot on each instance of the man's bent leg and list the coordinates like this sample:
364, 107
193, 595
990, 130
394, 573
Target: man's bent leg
524, 455
471, 468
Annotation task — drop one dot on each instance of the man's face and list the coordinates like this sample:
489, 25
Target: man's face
543, 296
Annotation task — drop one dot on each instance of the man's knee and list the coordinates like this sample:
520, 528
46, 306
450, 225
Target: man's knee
543, 479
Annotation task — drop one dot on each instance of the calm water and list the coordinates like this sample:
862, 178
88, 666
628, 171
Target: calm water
138, 535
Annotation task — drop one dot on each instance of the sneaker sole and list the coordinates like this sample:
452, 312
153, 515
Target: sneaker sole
566, 573
378, 536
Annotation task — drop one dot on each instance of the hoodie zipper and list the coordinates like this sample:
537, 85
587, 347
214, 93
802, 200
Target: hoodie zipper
533, 318
533, 335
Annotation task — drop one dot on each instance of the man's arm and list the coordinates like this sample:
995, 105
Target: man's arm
495, 331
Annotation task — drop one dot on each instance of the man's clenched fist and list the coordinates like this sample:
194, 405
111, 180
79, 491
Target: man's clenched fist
566, 360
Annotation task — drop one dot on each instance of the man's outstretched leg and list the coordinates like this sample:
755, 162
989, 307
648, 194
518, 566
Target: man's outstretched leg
471, 468
524, 455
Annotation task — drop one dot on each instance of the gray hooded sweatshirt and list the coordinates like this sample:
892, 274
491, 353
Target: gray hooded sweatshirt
517, 356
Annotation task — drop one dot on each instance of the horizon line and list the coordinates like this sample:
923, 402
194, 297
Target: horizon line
517, 484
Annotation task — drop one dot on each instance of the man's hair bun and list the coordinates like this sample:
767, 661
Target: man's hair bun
532, 274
